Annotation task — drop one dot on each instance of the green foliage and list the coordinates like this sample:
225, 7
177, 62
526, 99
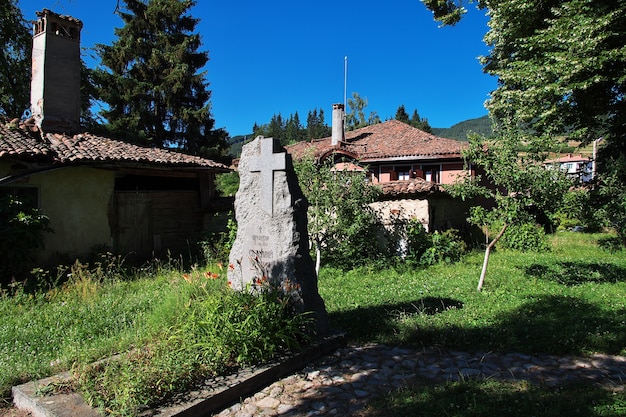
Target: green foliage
525, 237
478, 398
15, 60
480, 126
415, 121
569, 300
426, 249
559, 70
355, 115
151, 83
218, 329
342, 226
577, 209
216, 246
22, 229
290, 130
227, 184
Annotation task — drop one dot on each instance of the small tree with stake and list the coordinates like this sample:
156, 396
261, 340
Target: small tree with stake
520, 188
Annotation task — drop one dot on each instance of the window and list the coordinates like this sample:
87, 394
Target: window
403, 173
431, 172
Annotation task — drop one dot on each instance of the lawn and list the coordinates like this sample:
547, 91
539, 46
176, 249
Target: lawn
570, 300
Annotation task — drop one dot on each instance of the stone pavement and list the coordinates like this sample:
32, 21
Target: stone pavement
341, 383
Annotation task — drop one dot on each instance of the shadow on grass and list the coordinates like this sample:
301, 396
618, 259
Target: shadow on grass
376, 322
489, 398
576, 273
549, 324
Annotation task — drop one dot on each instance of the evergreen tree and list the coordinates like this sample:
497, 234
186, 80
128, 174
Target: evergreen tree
293, 130
420, 122
402, 115
152, 84
15, 60
315, 126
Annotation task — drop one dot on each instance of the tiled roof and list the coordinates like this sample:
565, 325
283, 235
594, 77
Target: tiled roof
408, 187
22, 143
388, 140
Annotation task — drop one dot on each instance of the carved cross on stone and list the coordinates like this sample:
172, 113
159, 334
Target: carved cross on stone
266, 164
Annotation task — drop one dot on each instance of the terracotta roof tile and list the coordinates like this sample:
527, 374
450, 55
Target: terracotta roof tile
86, 147
388, 140
408, 187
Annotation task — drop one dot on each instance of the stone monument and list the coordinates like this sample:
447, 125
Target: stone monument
272, 238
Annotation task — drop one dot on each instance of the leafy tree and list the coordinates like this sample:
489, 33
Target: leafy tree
560, 69
355, 117
520, 188
341, 224
15, 60
152, 82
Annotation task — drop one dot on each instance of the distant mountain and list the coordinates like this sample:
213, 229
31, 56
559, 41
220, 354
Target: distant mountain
459, 131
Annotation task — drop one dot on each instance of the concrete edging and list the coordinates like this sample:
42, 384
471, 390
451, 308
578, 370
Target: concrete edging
200, 403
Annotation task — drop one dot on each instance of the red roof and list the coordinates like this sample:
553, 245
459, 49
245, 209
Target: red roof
389, 140
20, 142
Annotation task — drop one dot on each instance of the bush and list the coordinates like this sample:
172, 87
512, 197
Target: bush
216, 246
22, 231
445, 247
525, 237
428, 249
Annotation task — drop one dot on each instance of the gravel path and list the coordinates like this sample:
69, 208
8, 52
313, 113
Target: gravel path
341, 383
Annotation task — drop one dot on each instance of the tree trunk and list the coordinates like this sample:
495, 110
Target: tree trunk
318, 259
487, 252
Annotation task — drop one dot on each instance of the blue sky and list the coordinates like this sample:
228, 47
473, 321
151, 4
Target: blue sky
270, 57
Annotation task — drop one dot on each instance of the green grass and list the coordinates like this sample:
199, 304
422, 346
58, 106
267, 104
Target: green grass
493, 398
570, 300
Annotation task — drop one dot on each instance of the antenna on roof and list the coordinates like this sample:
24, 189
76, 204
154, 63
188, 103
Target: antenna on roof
345, 79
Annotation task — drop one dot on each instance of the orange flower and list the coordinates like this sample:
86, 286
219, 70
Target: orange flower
230, 284
231, 266
214, 275
186, 277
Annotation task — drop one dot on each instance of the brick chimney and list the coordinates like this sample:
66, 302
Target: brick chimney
55, 83
337, 125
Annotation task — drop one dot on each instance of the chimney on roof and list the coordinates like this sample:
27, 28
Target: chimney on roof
337, 127
55, 83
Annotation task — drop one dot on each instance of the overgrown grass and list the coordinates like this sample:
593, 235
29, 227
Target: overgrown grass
166, 332
570, 300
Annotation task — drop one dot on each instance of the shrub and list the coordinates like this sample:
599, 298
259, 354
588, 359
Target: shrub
445, 247
22, 230
428, 249
525, 237
216, 246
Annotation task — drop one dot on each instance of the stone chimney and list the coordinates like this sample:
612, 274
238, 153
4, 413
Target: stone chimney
55, 83
338, 125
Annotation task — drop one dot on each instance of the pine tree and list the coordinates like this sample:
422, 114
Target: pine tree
15, 62
420, 122
402, 115
153, 84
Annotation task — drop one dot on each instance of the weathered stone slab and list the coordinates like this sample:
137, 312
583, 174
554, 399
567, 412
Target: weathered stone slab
272, 238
